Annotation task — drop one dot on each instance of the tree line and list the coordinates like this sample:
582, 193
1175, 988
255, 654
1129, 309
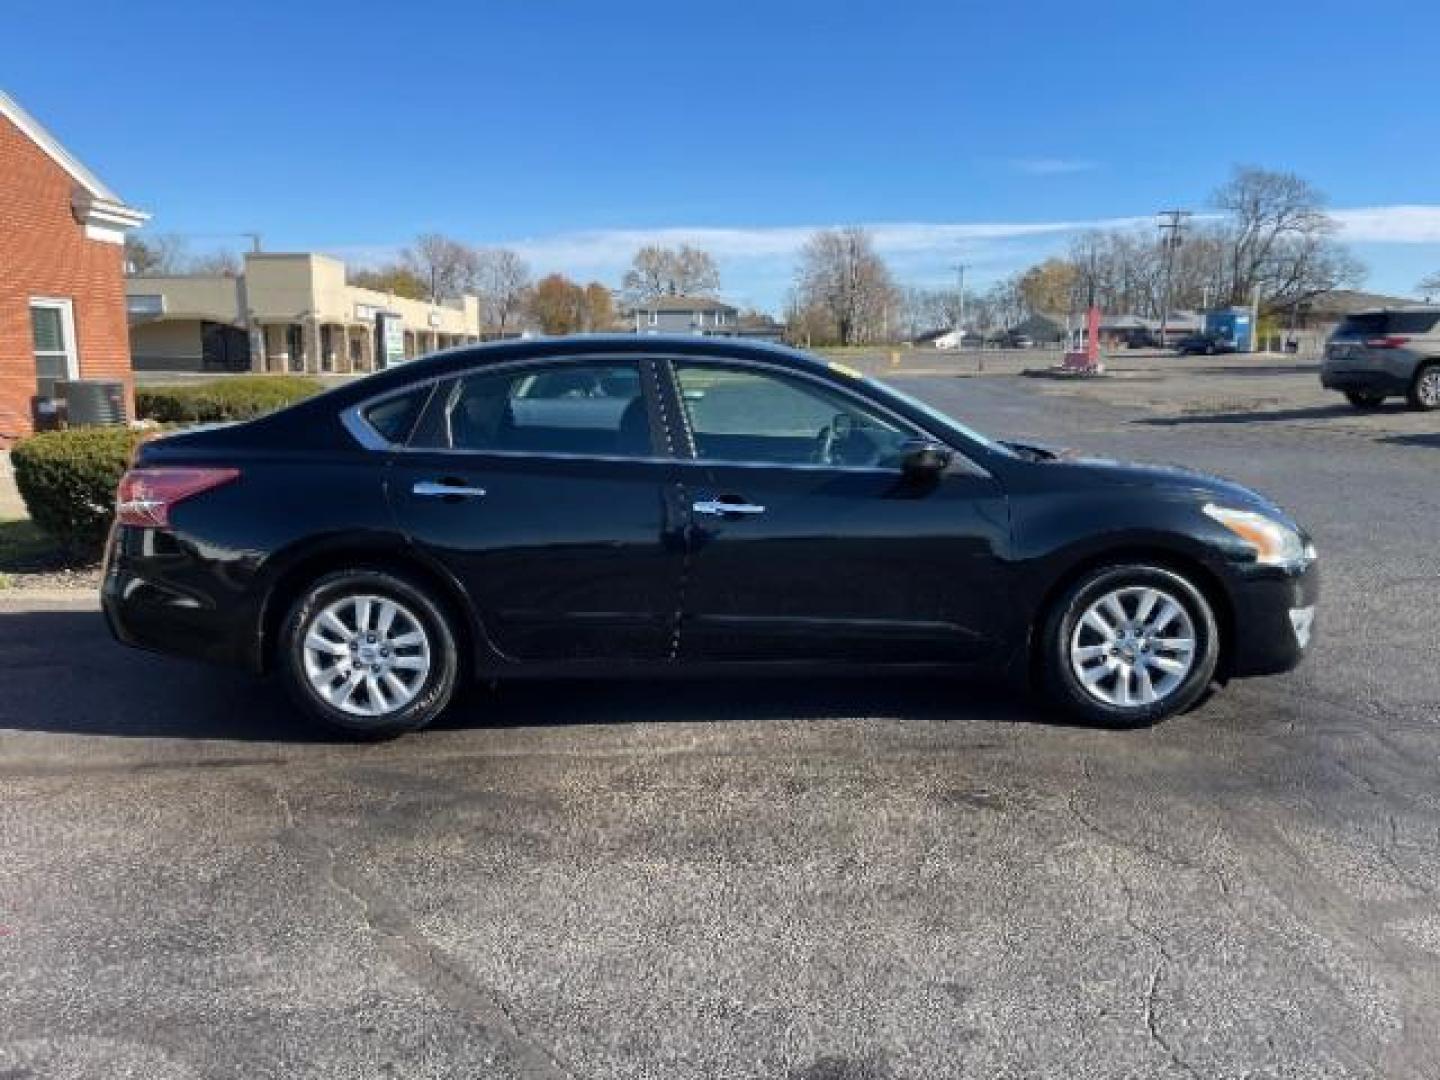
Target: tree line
1264, 233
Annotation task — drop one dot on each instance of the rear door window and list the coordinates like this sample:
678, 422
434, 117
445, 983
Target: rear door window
573, 409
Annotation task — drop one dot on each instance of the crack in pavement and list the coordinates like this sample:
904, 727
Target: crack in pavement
430, 967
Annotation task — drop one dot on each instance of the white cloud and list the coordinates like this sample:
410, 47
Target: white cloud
1390, 224
602, 247
757, 263
1051, 166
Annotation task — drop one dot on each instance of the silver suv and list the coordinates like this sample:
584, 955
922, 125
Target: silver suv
1388, 352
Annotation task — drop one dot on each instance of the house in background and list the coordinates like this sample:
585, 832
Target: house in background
700, 315
62, 274
286, 312
684, 315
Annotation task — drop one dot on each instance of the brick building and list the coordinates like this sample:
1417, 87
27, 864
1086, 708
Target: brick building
62, 281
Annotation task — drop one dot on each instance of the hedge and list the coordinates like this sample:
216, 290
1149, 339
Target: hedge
240, 398
68, 481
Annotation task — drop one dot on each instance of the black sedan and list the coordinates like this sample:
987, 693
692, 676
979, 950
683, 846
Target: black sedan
1204, 345
641, 504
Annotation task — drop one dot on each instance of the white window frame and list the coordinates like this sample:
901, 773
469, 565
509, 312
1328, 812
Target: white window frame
66, 307
654, 316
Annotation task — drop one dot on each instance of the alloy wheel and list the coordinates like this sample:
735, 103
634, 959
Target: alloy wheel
366, 655
1428, 387
1133, 647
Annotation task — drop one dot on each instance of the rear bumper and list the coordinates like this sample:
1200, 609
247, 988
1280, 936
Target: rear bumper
170, 602
1378, 381
1274, 618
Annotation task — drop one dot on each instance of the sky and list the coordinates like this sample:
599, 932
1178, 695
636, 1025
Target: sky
985, 134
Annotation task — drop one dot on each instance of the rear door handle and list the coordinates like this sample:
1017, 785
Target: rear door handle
433, 489
722, 508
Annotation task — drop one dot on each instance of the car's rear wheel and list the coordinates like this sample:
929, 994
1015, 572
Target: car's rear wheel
1425, 390
369, 653
1129, 645
1365, 399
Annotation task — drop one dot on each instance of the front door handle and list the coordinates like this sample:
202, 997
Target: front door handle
724, 508
432, 489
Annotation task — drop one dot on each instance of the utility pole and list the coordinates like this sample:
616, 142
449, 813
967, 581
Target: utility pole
960, 316
1171, 223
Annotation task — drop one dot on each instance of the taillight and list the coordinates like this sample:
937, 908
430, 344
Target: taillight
147, 495
1391, 341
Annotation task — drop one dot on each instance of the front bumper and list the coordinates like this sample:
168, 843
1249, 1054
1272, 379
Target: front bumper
1375, 380
1274, 618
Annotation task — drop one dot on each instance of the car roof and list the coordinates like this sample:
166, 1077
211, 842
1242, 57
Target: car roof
464, 357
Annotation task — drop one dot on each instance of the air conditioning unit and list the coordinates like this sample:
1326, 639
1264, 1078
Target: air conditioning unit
93, 402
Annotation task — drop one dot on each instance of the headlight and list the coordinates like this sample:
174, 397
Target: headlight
1274, 543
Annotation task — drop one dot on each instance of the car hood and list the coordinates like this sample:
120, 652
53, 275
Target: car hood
1110, 472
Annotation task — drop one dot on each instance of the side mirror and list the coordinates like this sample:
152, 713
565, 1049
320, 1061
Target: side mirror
922, 458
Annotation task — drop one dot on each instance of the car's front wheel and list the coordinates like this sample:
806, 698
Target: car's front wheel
369, 653
1129, 645
1425, 390
1365, 399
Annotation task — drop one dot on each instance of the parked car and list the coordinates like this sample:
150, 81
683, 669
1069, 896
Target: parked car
601, 505
1013, 339
1141, 339
1204, 344
1393, 352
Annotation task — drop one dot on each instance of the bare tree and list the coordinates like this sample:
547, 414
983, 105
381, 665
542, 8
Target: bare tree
1429, 285
1006, 302
447, 266
504, 284
221, 263
841, 274
695, 272
1280, 240
161, 253
657, 271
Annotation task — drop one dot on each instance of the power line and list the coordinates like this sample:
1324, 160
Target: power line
1171, 222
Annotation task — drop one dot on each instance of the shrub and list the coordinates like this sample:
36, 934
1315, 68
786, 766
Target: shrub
68, 481
240, 398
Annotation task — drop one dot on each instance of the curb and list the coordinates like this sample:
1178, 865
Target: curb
88, 598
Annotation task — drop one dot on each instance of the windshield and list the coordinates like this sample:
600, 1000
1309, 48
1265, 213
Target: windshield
932, 413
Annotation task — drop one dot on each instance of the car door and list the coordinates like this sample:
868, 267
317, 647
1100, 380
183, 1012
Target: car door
809, 542
540, 487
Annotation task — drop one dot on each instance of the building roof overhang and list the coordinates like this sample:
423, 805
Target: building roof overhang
104, 214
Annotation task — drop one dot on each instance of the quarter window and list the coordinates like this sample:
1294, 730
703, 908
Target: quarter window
739, 414
52, 329
395, 417
584, 409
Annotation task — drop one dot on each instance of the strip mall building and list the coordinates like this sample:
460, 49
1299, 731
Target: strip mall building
285, 312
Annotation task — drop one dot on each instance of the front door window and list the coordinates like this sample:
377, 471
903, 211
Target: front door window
746, 415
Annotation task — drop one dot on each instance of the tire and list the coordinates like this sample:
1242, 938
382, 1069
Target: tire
1425, 388
1365, 399
411, 652
1067, 635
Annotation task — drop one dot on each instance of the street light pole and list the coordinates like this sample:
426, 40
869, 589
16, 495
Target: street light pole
960, 316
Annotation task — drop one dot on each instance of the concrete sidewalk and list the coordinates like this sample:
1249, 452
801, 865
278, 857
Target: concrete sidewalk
11, 505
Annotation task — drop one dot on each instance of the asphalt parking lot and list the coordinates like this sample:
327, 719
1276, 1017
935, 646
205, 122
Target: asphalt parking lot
762, 879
